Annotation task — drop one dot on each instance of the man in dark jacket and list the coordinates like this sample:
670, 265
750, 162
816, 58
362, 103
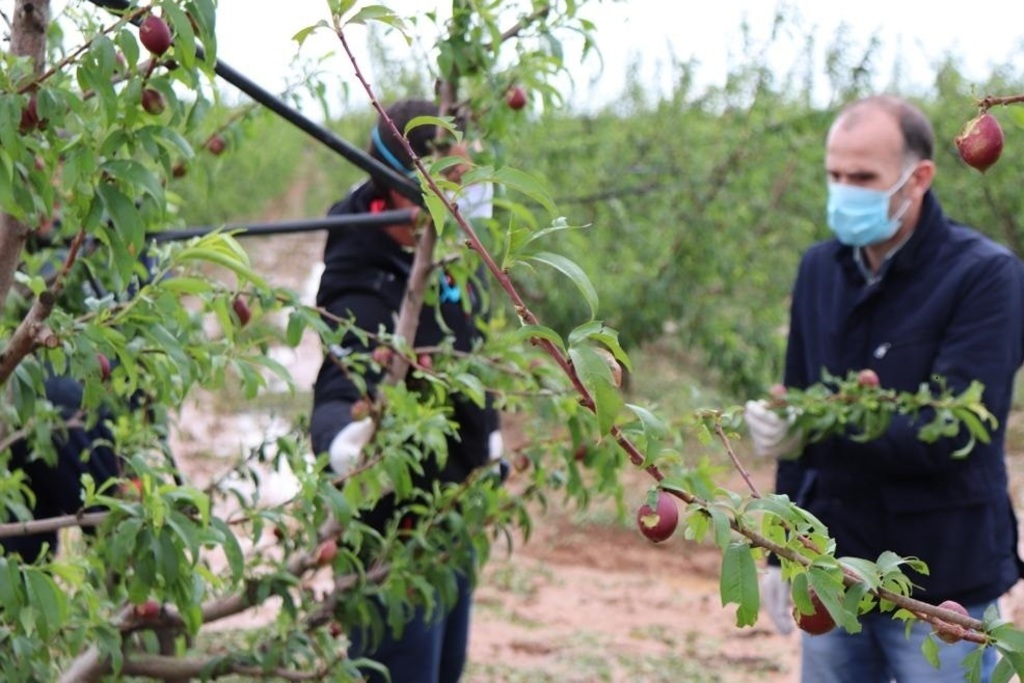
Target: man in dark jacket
909, 293
365, 277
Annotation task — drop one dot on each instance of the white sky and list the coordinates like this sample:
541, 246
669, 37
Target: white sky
982, 33
255, 37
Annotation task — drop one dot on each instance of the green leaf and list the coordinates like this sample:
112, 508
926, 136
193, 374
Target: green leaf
531, 332
301, 36
778, 505
528, 185
122, 213
44, 594
470, 385
930, 650
738, 584
231, 547
1011, 664
828, 587
722, 526
571, 270
1010, 637
654, 426
185, 285
595, 375
219, 257
865, 570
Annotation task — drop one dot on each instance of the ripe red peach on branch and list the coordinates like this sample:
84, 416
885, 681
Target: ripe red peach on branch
981, 140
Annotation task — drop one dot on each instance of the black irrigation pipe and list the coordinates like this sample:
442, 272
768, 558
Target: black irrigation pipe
356, 156
400, 216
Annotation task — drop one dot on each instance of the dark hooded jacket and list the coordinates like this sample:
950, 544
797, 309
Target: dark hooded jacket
365, 277
949, 303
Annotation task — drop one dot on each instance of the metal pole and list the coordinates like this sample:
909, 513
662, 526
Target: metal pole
328, 223
356, 156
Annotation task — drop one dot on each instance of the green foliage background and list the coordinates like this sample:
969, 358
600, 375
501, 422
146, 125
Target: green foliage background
696, 207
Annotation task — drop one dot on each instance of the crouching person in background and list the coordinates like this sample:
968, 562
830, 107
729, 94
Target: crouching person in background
82, 447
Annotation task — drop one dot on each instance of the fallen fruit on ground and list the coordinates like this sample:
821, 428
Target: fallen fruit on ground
980, 142
816, 623
658, 525
155, 35
952, 633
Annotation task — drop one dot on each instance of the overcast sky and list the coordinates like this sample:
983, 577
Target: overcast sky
982, 32
255, 36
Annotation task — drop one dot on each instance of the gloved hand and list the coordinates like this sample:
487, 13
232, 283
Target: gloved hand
776, 599
495, 446
495, 450
773, 436
347, 445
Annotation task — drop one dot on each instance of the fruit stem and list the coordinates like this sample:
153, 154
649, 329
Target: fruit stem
989, 101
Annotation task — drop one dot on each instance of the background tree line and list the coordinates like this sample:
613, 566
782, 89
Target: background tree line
694, 208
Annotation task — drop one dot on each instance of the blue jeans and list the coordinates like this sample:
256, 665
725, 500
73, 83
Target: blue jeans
428, 651
882, 653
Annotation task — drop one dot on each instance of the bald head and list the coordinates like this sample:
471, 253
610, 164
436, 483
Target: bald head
918, 137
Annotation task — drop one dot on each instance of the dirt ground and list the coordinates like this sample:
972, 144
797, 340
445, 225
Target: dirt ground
596, 602
582, 601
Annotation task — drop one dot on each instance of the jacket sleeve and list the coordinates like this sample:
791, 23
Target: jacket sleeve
983, 342
335, 390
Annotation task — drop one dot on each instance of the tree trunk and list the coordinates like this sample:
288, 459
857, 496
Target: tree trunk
28, 38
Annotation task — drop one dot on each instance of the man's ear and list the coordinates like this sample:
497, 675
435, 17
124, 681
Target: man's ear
923, 177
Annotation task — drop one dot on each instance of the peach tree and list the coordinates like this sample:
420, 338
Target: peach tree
96, 113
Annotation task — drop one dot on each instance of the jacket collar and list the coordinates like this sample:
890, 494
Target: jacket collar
931, 231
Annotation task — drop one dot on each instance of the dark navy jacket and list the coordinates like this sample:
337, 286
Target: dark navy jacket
951, 303
365, 276
57, 488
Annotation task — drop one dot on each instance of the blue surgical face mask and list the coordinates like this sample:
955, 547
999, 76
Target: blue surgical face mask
859, 216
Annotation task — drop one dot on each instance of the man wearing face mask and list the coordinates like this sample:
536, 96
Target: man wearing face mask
910, 293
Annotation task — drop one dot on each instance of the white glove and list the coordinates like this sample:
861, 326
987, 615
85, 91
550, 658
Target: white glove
776, 599
348, 445
773, 436
495, 446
